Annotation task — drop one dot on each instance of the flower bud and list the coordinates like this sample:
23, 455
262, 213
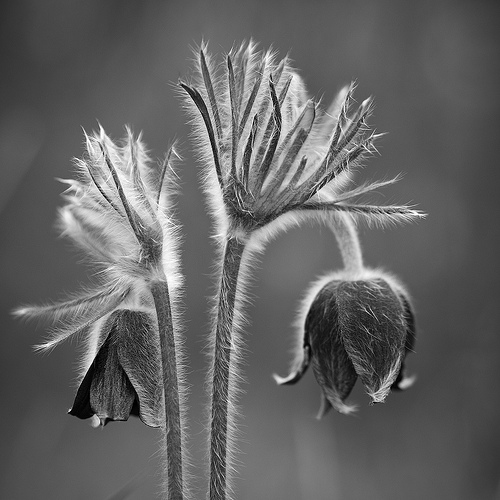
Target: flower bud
125, 376
357, 328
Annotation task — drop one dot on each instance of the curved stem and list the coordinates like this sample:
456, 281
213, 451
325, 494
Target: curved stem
173, 427
222, 369
346, 234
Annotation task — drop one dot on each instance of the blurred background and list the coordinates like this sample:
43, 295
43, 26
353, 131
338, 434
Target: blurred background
433, 67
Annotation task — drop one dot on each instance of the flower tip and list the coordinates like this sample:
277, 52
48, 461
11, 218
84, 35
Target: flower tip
95, 421
337, 405
289, 380
346, 409
374, 401
406, 383
380, 395
383, 387
366, 104
88, 141
279, 380
102, 133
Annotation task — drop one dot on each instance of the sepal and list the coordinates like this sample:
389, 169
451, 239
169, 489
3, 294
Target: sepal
124, 377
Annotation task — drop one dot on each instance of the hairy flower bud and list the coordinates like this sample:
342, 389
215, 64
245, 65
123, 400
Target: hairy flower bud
357, 328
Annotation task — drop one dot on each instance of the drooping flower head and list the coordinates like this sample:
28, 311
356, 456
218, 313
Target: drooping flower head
269, 149
355, 326
118, 211
125, 375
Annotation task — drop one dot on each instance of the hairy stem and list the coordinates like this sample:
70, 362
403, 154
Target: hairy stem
345, 232
173, 427
224, 346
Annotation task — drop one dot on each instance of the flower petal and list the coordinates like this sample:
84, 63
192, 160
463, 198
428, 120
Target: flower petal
403, 381
105, 391
139, 356
331, 364
373, 332
112, 395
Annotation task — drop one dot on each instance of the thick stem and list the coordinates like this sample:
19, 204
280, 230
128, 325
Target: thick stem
347, 239
173, 428
223, 348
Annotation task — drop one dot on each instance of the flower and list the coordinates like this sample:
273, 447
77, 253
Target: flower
272, 151
119, 212
125, 376
356, 327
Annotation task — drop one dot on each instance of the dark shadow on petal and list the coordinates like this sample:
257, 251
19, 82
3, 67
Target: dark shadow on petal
111, 393
106, 390
332, 366
81, 406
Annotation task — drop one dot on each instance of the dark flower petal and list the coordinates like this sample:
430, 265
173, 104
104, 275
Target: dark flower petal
403, 381
81, 406
373, 332
106, 390
139, 356
111, 393
331, 364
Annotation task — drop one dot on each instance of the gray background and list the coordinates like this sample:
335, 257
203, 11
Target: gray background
433, 68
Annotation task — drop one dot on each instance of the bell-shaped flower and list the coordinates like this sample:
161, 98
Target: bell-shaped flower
125, 375
355, 327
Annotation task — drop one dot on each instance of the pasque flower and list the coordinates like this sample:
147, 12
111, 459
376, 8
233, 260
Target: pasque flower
118, 212
125, 376
270, 150
360, 326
